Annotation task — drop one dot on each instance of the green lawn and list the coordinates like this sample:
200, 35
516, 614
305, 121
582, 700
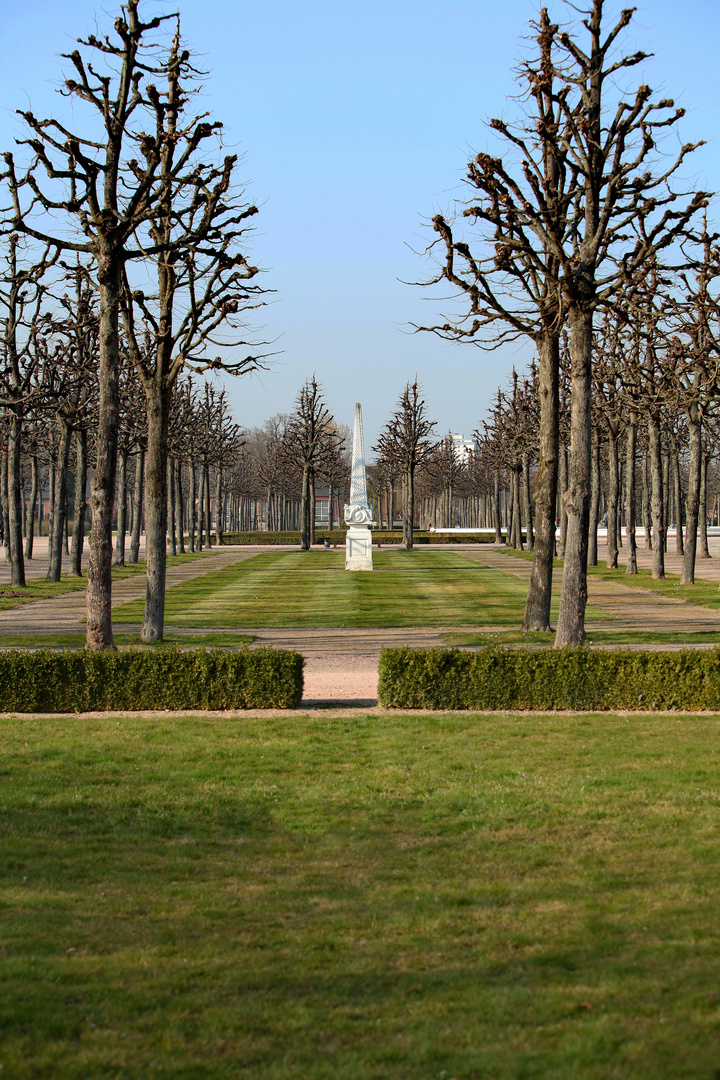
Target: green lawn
306, 589
407, 897
705, 593
40, 589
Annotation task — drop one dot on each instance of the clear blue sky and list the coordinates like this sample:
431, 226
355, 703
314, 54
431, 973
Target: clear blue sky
356, 119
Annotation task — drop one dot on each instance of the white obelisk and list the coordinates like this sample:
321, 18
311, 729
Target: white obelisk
358, 515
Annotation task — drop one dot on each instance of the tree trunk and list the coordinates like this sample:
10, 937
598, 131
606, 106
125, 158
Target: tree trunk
666, 498
408, 498
59, 509
102, 489
51, 499
496, 499
137, 505
32, 506
631, 454
15, 508
4, 493
192, 498
78, 540
704, 549
694, 422
594, 498
179, 510
305, 510
219, 507
613, 488
208, 506
171, 506
517, 519
527, 502
157, 401
656, 498
119, 553
677, 488
563, 482
646, 501
201, 510
573, 599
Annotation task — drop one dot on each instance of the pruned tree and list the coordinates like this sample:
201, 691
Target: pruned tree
503, 259
132, 435
406, 440
94, 182
590, 204
310, 435
194, 233
694, 353
24, 355
627, 213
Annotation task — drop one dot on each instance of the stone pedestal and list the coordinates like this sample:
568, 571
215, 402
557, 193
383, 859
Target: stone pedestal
358, 548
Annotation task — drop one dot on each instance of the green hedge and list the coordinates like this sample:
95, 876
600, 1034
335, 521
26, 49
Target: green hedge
455, 538
570, 678
337, 536
74, 680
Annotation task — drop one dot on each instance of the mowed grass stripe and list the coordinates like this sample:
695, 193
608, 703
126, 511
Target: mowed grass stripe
343, 897
409, 589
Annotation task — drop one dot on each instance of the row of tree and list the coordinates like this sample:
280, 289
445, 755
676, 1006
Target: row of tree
126, 265
584, 219
140, 209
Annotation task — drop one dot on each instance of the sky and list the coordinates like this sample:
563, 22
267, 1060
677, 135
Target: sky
356, 120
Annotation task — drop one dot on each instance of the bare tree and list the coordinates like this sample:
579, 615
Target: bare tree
588, 206
310, 434
23, 352
626, 193
95, 181
522, 206
193, 231
695, 354
405, 440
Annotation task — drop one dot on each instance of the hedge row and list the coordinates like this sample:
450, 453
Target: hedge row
455, 538
80, 681
570, 678
337, 536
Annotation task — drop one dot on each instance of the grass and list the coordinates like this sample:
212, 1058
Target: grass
307, 589
704, 593
594, 637
39, 589
445, 896
69, 641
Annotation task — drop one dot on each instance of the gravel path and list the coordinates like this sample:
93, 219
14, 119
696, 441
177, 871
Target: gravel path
341, 665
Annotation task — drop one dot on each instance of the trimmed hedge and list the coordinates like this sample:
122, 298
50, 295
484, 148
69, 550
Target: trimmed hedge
75, 680
569, 678
337, 536
455, 538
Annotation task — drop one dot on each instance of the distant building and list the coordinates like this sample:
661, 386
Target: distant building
463, 447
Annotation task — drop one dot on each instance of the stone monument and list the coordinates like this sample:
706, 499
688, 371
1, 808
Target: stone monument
358, 515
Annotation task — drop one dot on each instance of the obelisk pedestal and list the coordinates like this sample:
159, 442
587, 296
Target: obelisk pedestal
358, 514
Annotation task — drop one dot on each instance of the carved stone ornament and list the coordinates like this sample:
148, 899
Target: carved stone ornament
358, 515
